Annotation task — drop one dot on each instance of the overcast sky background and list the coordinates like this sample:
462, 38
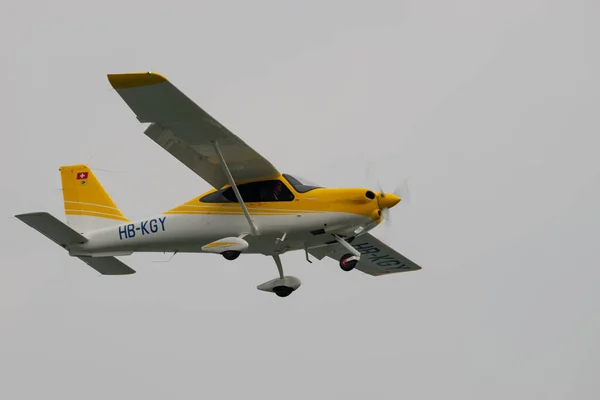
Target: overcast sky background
490, 109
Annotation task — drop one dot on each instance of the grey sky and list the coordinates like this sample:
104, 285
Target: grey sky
489, 109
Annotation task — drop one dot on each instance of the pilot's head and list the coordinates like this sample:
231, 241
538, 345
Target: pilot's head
277, 188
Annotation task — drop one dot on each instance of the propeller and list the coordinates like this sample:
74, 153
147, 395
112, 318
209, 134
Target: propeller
401, 190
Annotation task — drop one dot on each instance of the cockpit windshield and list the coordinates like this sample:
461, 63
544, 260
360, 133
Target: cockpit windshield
301, 185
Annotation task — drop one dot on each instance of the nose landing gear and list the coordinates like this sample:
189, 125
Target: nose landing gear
283, 291
282, 286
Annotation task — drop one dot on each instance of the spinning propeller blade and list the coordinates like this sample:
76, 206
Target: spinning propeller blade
387, 199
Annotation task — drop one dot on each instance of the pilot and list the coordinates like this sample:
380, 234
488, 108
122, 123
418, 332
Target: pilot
277, 191
269, 192
280, 192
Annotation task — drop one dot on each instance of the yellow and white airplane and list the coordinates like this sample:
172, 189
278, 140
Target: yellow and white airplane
253, 208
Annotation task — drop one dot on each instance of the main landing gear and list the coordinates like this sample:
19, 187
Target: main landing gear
228, 247
349, 260
231, 254
282, 286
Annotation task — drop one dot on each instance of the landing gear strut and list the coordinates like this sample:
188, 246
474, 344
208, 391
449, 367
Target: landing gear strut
282, 286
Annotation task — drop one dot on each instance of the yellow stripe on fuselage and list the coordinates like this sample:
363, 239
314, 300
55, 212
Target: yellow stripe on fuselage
225, 210
234, 206
227, 213
321, 200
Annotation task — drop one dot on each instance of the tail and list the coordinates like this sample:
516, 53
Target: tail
87, 205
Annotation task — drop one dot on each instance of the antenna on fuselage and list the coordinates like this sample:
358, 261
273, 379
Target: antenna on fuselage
165, 261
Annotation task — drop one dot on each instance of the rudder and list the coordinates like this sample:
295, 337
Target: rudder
87, 205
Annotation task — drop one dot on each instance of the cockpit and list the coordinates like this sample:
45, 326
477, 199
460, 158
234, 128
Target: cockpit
263, 191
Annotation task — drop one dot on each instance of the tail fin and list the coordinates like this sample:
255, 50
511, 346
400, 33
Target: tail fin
87, 205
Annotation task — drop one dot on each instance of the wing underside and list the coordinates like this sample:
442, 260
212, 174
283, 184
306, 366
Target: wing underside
376, 259
188, 132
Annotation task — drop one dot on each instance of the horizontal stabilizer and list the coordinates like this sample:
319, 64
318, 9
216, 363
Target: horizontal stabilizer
107, 265
64, 236
52, 228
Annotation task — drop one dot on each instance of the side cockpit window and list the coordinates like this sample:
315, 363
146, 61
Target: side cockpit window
215, 197
274, 191
255, 192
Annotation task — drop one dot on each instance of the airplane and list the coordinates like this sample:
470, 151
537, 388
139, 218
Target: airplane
252, 208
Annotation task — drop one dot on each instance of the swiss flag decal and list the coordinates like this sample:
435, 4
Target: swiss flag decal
82, 175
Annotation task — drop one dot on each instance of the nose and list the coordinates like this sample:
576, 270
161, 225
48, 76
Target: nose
387, 200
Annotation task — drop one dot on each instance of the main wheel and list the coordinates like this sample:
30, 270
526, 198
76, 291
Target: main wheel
283, 291
347, 265
230, 254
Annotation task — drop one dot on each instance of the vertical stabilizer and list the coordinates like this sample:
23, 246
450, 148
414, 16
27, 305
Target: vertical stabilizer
87, 205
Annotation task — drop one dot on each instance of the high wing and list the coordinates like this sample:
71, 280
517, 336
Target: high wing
187, 131
376, 257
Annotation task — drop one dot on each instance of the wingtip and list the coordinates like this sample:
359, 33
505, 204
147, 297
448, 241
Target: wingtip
135, 79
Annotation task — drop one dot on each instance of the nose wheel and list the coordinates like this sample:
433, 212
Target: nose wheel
348, 262
282, 286
283, 291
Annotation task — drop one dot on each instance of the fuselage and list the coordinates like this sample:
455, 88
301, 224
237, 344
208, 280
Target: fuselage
302, 219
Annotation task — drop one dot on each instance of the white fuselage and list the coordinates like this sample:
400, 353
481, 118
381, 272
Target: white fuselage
188, 233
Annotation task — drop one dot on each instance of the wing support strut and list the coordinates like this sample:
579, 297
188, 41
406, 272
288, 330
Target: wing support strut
238, 196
